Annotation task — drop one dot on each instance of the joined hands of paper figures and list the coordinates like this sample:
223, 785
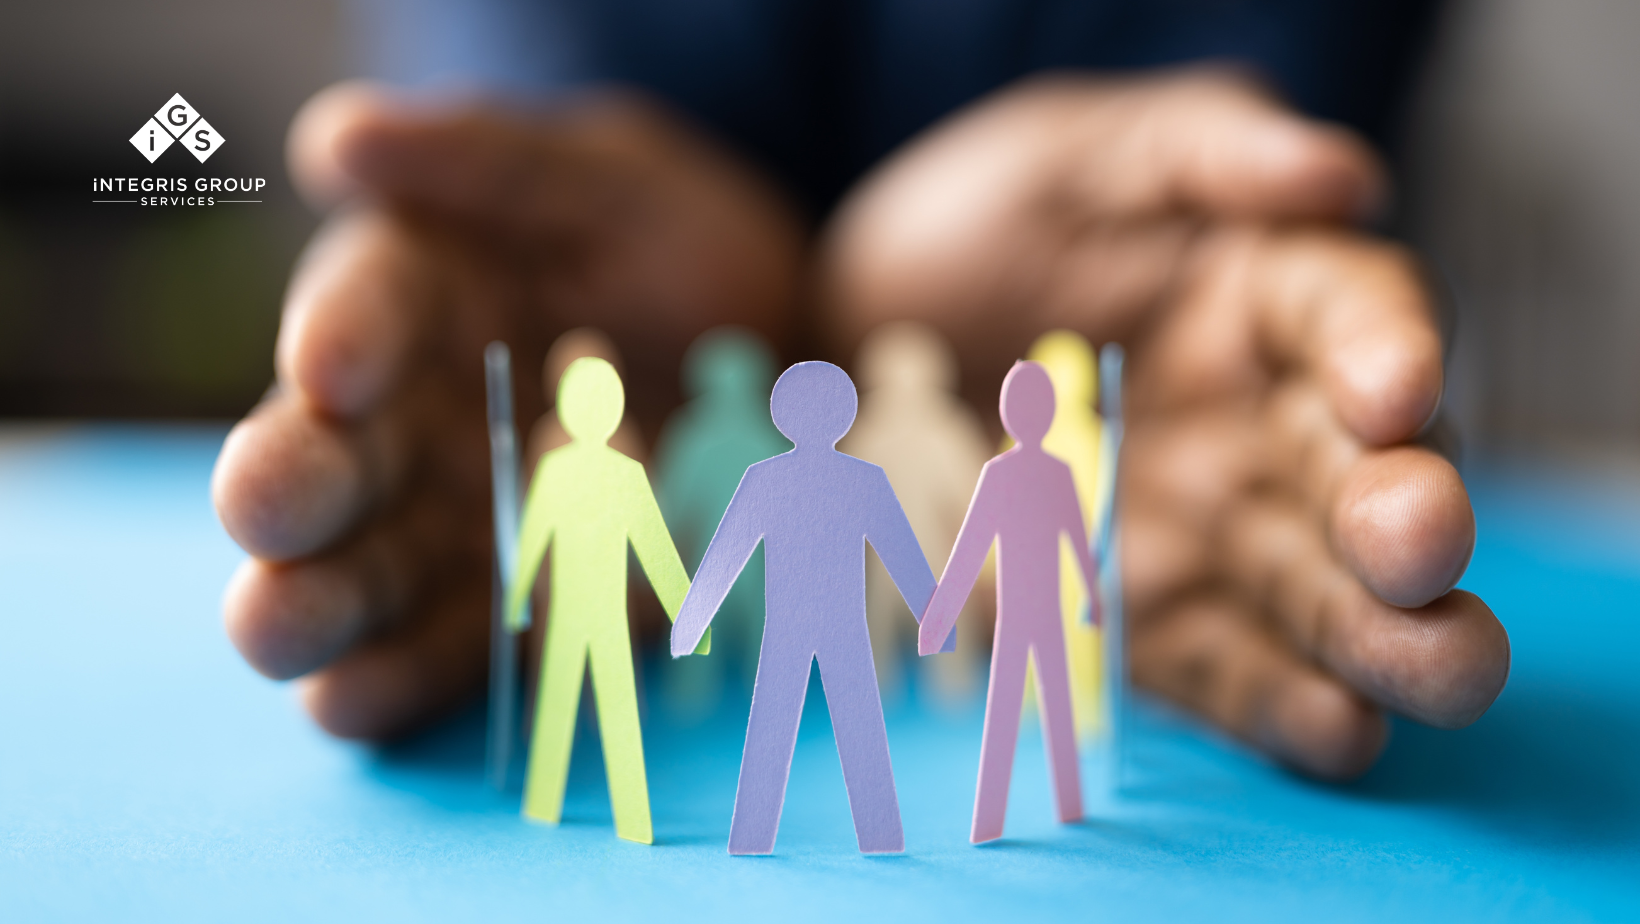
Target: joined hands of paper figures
703, 451
931, 446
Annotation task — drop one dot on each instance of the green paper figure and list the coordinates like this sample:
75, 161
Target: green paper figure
587, 502
703, 451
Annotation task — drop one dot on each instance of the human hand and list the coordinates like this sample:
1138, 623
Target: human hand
1289, 551
360, 487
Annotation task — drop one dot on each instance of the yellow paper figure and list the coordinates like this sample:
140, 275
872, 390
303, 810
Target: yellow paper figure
587, 502
1074, 438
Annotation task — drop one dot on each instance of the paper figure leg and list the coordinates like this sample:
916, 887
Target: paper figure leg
884, 612
554, 735
850, 682
771, 736
744, 607
1058, 721
614, 689
996, 750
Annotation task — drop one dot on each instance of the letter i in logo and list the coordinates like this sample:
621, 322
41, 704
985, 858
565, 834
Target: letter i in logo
151, 140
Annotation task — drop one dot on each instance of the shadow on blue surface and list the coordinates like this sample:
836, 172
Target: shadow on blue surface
1543, 761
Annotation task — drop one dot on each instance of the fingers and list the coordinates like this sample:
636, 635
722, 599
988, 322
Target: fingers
1008, 207
287, 619
1212, 657
1442, 664
311, 145
288, 483
1403, 524
1399, 518
1209, 140
559, 171
1354, 314
389, 686
297, 473
356, 311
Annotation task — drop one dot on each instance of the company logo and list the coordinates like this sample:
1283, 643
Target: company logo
177, 122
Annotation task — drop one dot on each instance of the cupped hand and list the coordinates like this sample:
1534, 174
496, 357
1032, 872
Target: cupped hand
360, 486
1289, 549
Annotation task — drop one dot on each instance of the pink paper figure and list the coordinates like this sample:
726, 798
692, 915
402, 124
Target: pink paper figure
814, 509
1026, 500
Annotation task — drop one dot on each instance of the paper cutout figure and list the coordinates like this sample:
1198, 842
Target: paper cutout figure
814, 509
704, 449
1076, 439
587, 502
502, 733
1108, 550
578, 343
1025, 502
932, 447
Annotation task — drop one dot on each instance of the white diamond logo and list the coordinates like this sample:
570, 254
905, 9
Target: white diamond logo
151, 140
177, 121
201, 140
176, 115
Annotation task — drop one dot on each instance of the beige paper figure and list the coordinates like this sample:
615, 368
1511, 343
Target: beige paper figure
1074, 438
932, 446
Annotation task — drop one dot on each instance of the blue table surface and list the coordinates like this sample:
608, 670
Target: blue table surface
146, 772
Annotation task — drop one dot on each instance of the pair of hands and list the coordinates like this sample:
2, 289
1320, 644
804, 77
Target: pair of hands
1288, 552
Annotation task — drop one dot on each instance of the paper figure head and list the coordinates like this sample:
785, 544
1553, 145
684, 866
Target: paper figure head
1027, 403
727, 361
572, 345
814, 404
590, 400
907, 356
1071, 363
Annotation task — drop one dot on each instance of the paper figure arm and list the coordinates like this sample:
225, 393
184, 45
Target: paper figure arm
646, 530
979, 528
737, 536
534, 535
1084, 555
890, 533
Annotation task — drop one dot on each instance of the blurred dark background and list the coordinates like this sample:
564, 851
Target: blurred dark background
1518, 183
124, 310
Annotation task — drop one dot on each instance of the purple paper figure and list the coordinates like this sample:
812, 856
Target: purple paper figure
1025, 501
814, 509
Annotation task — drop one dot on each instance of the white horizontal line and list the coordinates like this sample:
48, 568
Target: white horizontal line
113, 200
220, 201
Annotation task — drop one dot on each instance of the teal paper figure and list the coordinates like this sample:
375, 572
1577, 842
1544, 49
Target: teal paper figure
704, 449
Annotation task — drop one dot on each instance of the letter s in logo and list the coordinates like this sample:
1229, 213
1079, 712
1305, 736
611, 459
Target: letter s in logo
172, 116
203, 136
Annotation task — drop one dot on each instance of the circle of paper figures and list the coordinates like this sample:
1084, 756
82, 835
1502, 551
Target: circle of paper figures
812, 510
